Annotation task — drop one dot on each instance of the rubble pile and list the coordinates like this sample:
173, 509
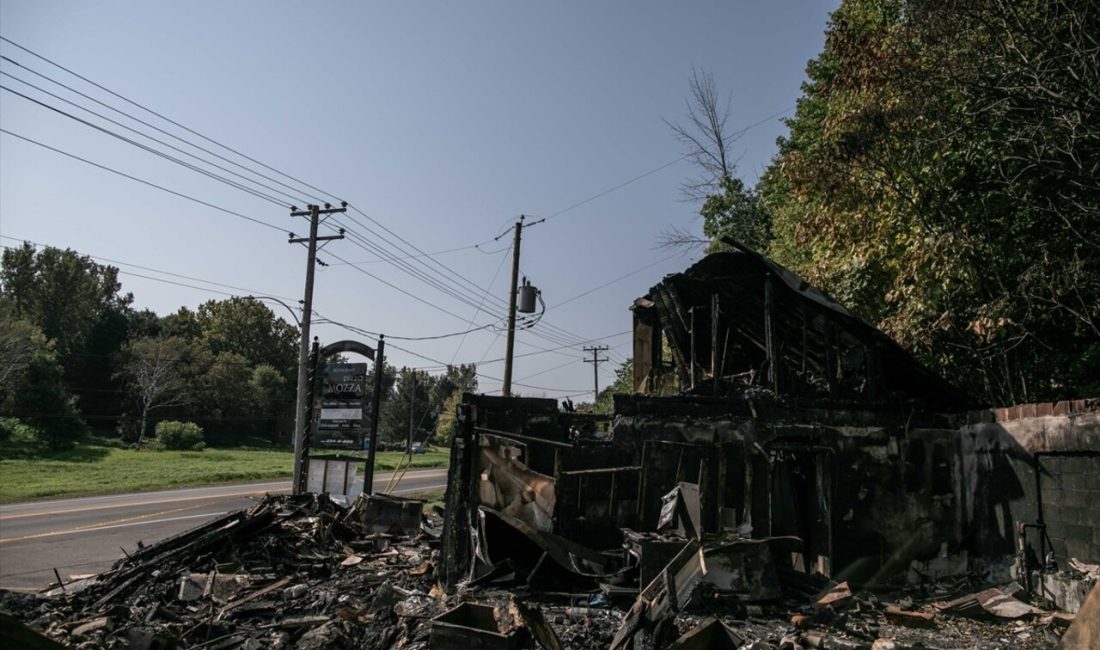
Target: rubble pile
289, 572
304, 572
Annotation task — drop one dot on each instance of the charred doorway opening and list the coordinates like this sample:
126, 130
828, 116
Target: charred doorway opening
801, 502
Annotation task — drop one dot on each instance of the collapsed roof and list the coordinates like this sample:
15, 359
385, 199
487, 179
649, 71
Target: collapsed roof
738, 318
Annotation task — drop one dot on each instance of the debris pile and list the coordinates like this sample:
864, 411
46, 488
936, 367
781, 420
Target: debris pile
303, 572
289, 572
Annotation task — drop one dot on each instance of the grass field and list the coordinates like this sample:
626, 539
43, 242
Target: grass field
102, 467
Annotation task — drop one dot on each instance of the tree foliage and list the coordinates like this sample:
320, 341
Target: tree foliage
940, 177
17, 344
36, 393
448, 395
249, 328
623, 385
63, 293
409, 407
154, 369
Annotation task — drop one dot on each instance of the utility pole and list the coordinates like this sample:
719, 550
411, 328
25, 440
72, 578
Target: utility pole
375, 413
506, 389
596, 361
314, 213
412, 412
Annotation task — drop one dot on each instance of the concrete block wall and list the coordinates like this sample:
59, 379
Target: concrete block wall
1000, 452
1070, 488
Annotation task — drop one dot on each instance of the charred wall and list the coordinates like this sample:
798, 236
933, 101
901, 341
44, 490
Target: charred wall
1038, 464
867, 491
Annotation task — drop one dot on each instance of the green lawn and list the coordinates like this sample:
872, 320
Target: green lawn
100, 467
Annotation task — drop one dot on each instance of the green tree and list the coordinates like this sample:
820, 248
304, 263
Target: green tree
224, 400
17, 345
183, 324
623, 384
248, 328
737, 213
936, 179
270, 395
77, 304
154, 370
36, 393
412, 394
61, 292
447, 395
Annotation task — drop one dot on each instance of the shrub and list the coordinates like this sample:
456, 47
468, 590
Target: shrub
172, 434
15, 430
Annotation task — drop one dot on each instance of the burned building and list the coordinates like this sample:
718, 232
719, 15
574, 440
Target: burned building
763, 410
783, 476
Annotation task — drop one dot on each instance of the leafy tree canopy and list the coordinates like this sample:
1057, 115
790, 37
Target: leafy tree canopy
940, 178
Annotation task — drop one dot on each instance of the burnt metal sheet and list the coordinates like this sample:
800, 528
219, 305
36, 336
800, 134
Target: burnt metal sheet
680, 511
670, 591
472, 625
711, 634
527, 545
745, 567
652, 552
507, 485
988, 603
384, 513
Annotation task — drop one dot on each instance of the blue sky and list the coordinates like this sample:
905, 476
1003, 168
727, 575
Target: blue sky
442, 121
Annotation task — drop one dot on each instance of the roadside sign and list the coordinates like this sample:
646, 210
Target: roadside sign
342, 411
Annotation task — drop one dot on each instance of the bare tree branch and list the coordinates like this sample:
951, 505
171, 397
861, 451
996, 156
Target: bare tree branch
705, 137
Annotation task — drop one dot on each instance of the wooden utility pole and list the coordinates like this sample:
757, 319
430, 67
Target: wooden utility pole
412, 412
375, 413
596, 361
314, 213
506, 389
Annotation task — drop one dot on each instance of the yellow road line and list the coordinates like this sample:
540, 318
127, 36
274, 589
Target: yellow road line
98, 524
131, 504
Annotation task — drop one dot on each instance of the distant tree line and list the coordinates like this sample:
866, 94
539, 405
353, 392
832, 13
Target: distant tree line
940, 177
76, 357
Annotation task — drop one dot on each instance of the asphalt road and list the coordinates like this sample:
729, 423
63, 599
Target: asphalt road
87, 535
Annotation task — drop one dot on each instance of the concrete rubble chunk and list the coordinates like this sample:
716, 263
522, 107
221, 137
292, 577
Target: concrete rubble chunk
1084, 632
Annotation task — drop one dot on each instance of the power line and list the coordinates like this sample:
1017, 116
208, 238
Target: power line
143, 122
366, 244
548, 331
232, 183
413, 338
151, 150
611, 282
143, 181
166, 119
155, 270
397, 288
617, 187
145, 135
492, 282
185, 141
558, 337
442, 252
